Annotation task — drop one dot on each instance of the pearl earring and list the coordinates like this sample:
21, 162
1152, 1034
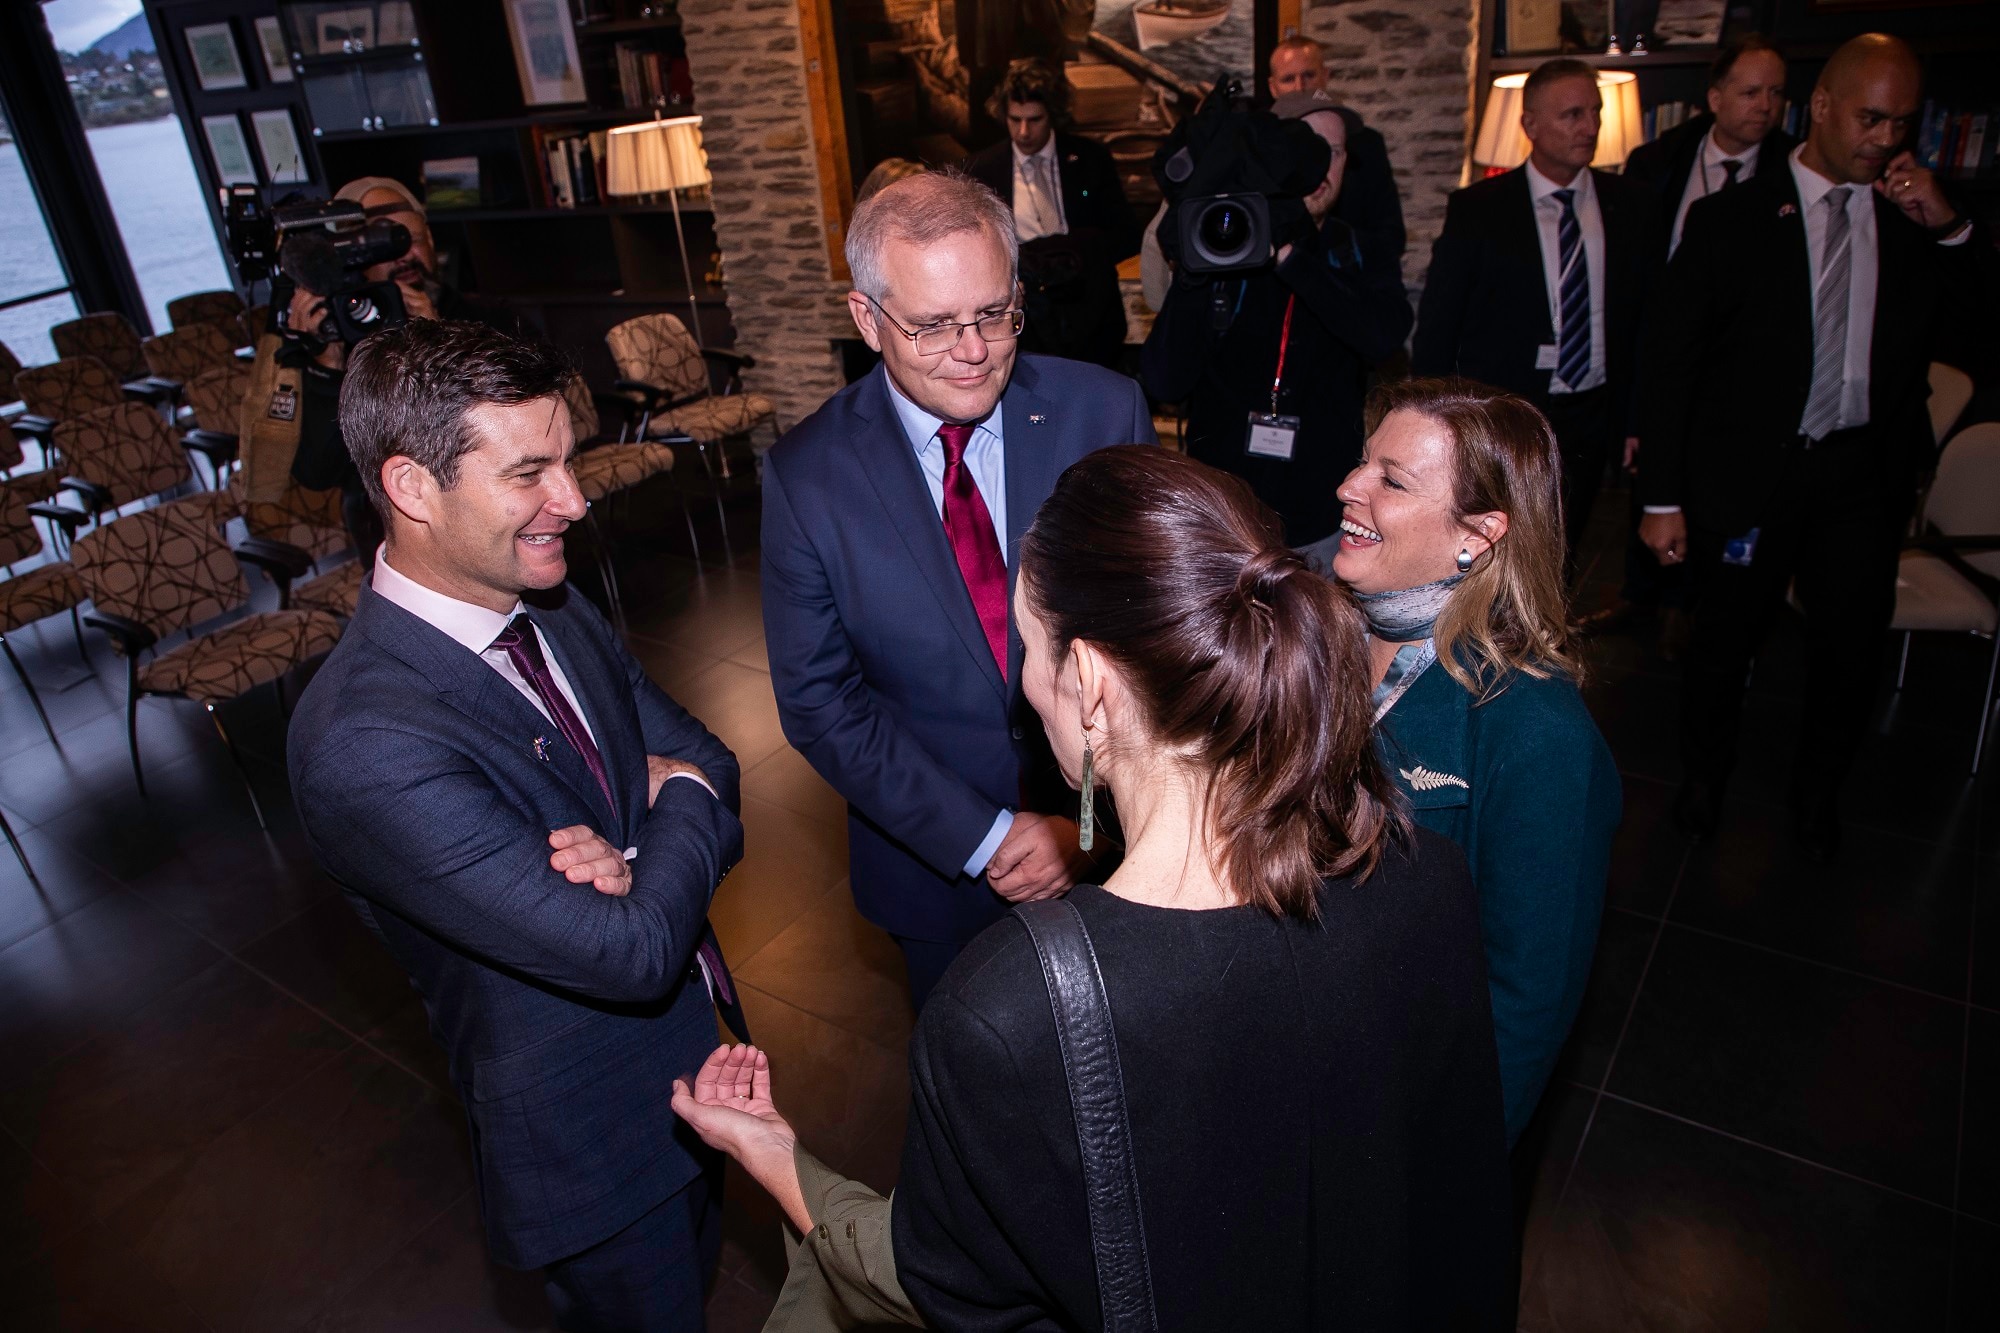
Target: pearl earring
1464, 561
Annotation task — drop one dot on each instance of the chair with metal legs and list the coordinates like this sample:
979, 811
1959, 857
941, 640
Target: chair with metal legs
39, 591
110, 338
605, 470
167, 570
19, 851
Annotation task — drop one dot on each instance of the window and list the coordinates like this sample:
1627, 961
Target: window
34, 291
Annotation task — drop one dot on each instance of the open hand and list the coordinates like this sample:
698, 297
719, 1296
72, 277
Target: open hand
584, 857
1039, 858
729, 1105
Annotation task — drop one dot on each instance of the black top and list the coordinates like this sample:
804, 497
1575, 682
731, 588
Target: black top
1315, 1116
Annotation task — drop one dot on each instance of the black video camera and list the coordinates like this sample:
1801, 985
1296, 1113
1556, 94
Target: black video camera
1236, 181
324, 246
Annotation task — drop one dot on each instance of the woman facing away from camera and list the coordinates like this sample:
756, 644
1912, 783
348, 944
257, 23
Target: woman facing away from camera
1452, 541
1293, 974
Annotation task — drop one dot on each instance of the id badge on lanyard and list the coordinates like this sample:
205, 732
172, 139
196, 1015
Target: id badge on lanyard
1271, 435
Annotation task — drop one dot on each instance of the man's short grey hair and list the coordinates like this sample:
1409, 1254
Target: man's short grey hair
921, 211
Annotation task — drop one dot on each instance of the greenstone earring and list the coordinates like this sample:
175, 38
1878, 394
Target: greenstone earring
1086, 820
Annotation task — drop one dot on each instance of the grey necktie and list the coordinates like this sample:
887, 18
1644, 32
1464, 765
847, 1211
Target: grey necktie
1830, 321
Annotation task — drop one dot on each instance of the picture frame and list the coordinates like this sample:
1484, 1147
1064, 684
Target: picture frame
545, 52
344, 31
277, 55
218, 64
278, 145
229, 150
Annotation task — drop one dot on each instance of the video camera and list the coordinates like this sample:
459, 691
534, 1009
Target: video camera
1236, 180
323, 246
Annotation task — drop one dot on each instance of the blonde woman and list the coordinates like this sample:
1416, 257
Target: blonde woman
1452, 541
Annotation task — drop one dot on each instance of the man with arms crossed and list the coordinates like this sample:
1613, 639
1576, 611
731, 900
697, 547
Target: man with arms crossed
531, 827
891, 517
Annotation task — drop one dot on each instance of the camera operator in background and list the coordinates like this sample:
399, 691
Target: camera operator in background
344, 268
1271, 353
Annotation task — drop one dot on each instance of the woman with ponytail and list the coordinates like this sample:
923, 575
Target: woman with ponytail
1452, 542
1293, 973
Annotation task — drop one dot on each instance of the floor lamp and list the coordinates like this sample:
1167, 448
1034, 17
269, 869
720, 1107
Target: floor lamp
1501, 146
661, 156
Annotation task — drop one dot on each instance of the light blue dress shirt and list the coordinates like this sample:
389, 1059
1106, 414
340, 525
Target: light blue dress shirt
986, 455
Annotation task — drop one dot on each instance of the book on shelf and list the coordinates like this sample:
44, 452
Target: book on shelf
650, 77
1957, 142
572, 167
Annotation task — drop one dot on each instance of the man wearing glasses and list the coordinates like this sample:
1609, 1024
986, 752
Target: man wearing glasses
891, 520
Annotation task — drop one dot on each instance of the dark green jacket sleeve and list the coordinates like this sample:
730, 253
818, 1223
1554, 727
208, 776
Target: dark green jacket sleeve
842, 1275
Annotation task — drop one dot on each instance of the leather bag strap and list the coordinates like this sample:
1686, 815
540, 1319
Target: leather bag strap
1097, 1100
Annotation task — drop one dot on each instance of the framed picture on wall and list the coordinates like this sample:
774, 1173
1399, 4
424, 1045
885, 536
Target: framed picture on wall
545, 51
271, 41
229, 150
278, 143
217, 63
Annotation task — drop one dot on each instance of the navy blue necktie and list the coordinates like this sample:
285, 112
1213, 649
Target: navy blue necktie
1573, 354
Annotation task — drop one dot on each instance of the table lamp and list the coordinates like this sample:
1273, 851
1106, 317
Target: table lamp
661, 156
1502, 146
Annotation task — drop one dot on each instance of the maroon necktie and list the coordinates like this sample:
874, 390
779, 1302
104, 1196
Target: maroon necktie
970, 528
524, 649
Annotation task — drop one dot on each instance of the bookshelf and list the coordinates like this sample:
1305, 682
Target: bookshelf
575, 271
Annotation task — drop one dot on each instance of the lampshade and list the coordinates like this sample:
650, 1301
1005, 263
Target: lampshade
1502, 144
655, 156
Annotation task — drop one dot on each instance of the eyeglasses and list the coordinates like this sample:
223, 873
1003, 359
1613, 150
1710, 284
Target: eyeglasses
934, 339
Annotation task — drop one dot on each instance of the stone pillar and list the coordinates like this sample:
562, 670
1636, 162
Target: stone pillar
749, 85
1406, 66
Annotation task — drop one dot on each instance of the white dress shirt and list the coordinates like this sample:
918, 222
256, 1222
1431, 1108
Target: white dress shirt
1548, 221
1708, 176
986, 456
1862, 273
1038, 206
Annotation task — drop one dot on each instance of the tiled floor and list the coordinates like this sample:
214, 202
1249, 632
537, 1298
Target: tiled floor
219, 1108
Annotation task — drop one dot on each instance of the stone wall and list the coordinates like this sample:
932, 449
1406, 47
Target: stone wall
1406, 66
749, 84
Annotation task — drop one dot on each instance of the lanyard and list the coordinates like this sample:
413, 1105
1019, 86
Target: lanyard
1284, 344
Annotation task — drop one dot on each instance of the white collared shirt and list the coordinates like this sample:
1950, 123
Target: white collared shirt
475, 628
1863, 272
1548, 222
1707, 176
1038, 206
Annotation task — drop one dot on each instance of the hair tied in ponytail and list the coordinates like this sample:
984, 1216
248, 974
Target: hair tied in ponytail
1265, 572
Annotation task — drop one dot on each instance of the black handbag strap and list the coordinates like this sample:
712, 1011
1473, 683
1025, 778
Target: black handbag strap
1097, 1100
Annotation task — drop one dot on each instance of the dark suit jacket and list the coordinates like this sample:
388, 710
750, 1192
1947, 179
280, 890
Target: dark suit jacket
1729, 348
1662, 167
884, 679
1088, 321
566, 1013
1485, 308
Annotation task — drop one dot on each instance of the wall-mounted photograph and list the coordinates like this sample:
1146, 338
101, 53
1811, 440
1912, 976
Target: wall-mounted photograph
229, 150
217, 63
278, 143
271, 42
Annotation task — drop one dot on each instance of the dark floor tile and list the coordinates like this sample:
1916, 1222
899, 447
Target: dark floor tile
441, 1282
1640, 719
404, 1037
1542, 1160
1979, 1161
262, 1227
735, 702
1888, 906
63, 882
714, 614
669, 665
37, 1212
735, 1306
1648, 851
131, 1108
1856, 1074
831, 963
92, 765
786, 780
1623, 942
1985, 969
1975, 1277
85, 975
70, 698
1665, 1226
789, 862
328, 959
90, 1283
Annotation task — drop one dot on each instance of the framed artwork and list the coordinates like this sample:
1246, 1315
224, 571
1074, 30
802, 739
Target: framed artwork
278, 144
545, 51
344, 31
271, 41
217, 64
229, 150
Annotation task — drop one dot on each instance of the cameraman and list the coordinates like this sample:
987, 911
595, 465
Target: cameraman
1312, 323
289, 426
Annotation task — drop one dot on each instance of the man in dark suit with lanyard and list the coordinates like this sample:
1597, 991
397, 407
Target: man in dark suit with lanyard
1716, 150
1538, 280
1783, 420
891, 518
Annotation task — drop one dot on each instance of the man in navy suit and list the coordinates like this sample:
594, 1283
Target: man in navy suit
531, 827
891, 519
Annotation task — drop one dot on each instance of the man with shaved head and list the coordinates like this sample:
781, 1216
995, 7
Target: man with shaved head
1782, 416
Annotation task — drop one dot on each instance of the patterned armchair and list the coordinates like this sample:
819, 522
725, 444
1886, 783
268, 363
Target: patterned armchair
115, 455
603, 470
23, 423
289, 536
163, 570
188, 351
69, 387
224, 309
213, 399
256, 323
10, 366
39, 592
110, 338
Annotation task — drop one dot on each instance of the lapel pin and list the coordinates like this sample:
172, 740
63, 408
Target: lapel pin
542, 748
1787, 210
1036, 418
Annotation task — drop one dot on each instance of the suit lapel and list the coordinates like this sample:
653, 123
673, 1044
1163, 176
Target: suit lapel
1789, 249
605, 700
1025, 417
1524, 242
1896, 280
891, 466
